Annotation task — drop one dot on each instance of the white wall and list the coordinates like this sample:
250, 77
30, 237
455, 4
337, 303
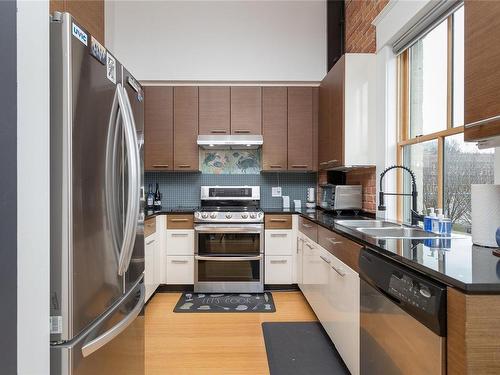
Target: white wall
219, 40
33, 187
497, 165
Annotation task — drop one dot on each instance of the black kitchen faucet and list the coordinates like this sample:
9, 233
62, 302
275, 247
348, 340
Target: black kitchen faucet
415, 216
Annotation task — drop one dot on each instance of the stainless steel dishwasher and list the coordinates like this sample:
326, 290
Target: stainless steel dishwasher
402, 319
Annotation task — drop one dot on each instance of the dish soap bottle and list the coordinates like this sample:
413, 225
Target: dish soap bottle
435, 221
428, 219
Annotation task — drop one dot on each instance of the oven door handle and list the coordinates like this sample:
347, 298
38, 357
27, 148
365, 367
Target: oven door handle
227, 229
227, 259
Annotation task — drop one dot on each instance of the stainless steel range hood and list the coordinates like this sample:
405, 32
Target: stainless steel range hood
233, 142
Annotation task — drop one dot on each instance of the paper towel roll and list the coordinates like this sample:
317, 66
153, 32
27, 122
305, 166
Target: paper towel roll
485, 215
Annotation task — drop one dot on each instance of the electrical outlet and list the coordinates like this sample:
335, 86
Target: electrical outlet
276, 191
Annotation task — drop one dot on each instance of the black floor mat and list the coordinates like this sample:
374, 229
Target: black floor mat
301, 348
225, 302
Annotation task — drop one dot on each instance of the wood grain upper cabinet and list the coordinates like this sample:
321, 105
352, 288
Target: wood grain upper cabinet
300, 128
274, 128
214, 106
88, 13
482, 70
158, 128
185, 128
246, 110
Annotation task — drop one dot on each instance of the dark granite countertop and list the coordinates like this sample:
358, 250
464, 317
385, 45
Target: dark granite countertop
456, 262
170, 211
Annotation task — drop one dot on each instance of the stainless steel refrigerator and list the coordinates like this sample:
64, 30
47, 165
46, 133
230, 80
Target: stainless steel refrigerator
97, 207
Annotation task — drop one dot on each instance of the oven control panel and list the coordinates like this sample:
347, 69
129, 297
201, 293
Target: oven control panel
227, 216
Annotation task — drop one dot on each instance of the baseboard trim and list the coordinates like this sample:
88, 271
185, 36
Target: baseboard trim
164, 288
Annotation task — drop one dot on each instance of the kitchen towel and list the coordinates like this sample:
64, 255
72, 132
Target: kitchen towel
485, 206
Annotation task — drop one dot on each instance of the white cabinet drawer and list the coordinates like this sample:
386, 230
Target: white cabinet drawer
279, 242
180, 242
180, 269
278, 270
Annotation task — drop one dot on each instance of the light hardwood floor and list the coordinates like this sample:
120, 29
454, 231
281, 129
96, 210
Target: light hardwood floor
213, 343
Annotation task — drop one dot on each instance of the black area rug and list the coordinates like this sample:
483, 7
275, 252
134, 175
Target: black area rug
225, 302
301, 348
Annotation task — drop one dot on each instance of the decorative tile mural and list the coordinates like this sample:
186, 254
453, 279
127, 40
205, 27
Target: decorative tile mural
230, 161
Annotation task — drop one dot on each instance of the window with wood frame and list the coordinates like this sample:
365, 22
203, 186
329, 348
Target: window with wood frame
431, 115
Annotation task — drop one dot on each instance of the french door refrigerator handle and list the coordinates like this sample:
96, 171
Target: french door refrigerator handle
111, 184
109, 335
130, 228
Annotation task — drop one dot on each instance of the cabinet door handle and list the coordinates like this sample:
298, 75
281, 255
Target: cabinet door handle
325, 259
160, 165
150, 242
242, 132
279, 220
482, 121
178, 261
218, 131
178, 220
332, 241
340, 271
183, 166
299, 166
279, 261
179, 235
279, 234
275, 166
328, 162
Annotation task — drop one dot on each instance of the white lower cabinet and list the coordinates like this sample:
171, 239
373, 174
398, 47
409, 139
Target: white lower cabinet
278, 269
342, 318
332, 289
180, 269
152, 261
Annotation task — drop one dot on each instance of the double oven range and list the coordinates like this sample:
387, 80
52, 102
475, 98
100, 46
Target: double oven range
229, 240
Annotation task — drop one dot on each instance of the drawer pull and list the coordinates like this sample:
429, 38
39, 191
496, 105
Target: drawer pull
179, 234
179, 261
218, 131
242, 132
150, 242
309, 245
340, 271
279, 234
279, 261
178, 220
184, 166
275, 166
160, 165
279, 220
299, 166
332, 241
307, 226
325, 259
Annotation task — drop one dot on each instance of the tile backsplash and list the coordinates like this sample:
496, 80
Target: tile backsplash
183, 188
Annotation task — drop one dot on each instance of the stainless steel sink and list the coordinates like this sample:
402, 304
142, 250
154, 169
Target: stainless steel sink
366, 224
399, 232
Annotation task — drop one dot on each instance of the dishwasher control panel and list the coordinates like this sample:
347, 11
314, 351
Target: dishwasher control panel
411, 291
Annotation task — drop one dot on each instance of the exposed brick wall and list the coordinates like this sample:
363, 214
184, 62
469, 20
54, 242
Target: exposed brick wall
367, 178
359, 31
